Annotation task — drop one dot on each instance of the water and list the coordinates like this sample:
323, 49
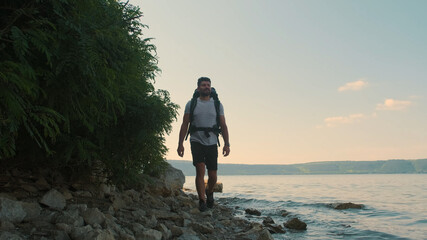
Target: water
395, 206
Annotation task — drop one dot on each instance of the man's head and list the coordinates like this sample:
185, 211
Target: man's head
203, 79
204, 86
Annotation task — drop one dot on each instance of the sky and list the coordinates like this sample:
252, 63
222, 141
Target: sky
300, 81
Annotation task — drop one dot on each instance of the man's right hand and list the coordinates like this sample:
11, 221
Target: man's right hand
180, 150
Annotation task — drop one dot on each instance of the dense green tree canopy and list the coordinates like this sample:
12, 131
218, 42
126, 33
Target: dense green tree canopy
76, 88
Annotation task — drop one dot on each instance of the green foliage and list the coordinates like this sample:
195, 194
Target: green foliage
76, 87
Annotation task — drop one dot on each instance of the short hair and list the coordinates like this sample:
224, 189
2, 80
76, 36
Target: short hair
202, 79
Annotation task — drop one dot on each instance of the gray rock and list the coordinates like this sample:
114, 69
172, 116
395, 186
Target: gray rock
173, 178
187, 222
217, 187
252, 234
67, 194
9, 236
166, 215
8, 196
284, 213
111, 210
139, 213
274, 228
188, 237
343, 206
110, 224
99, 234
118, 202
195, 210
64, 227
80, 207
54, 200
171, 181
60, 235
252, 211
167, 234
125, 236
81, 232
11, 210
204, 228
296, 224
265, 235
104, 190
138, 228
150, 234
83, 194
185, 215
6, 225
93, 216
32, 210
268, 220
21, 194
70, 218
42, 184
150, 222
40, 224
188, 233
29, 188
96, 226
207, 213
132, 194
128, 200
176, 231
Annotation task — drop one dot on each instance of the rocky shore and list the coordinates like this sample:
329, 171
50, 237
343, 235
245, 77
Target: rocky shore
44, 206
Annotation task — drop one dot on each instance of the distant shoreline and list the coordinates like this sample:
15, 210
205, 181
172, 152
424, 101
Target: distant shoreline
395, 166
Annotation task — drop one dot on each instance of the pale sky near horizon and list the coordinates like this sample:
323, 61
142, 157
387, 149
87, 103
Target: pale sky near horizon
300, 81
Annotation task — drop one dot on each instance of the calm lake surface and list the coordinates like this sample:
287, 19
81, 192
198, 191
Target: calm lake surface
395, 205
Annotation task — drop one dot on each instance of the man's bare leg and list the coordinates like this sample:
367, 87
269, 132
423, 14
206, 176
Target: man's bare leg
200, 180
212, 180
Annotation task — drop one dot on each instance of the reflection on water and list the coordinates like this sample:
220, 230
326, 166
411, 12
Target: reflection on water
395, 205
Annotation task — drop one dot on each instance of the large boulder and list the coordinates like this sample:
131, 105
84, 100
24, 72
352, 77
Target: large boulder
93, 216
217, 188
342, 206
54, 200
296, 224
11, 210
173, 178
252, 211
170, 182
32, 210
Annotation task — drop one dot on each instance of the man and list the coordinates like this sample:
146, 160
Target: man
204, 142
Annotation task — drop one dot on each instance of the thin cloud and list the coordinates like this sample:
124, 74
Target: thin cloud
393, 105
353, 86
334, 121
415, 97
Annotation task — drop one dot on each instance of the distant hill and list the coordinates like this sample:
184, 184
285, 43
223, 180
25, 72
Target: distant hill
339, 167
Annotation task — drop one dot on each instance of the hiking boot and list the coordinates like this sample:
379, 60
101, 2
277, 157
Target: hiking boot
202, 206
209, 199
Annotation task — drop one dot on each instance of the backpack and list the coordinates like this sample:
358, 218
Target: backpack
216, 128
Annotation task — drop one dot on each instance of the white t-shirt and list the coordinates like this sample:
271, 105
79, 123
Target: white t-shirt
204, 115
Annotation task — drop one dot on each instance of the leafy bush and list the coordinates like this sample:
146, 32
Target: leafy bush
76, 88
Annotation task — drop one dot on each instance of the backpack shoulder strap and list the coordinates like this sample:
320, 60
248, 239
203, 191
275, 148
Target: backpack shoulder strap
214, 95
193, 104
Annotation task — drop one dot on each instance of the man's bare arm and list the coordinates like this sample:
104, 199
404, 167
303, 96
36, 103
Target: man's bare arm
182, 133
224, 132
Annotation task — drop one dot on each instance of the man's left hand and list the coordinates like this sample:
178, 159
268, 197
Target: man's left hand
226, 151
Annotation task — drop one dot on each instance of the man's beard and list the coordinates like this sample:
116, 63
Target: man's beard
205, 93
